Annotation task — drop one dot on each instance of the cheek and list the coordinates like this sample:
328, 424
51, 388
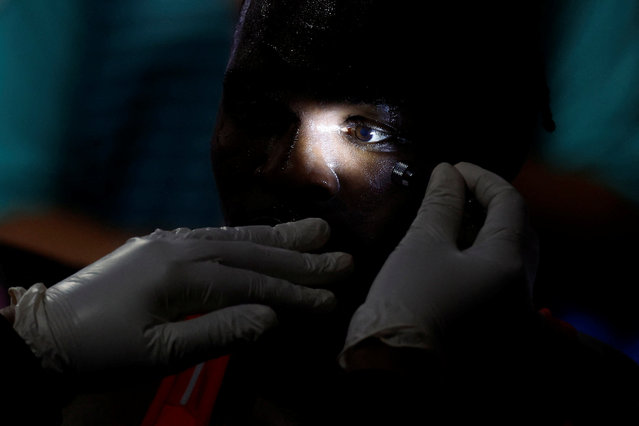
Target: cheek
382, 209
232, 153
368, 189
367, 173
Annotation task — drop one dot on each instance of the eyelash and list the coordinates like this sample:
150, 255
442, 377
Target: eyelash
352, 122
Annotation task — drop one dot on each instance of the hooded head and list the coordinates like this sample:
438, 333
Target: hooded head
323, 97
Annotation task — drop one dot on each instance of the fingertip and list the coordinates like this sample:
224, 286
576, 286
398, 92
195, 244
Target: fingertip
304, 234
324, 301
482, 182
465, 164
439, 169
443, 171
314, 225
439, 216
469, 171
443, 164
345, 262
262, 317
246, 323
444, 178
311, 221
472, 172
461, 165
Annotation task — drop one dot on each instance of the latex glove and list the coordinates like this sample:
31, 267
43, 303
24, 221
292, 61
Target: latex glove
428, 284
125, 310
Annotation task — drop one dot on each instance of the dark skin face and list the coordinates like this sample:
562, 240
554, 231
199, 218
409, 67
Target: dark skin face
328, 159
283, 155
300, 132
297, 139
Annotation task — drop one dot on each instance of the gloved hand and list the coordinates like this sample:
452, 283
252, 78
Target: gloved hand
428, 284
126, 310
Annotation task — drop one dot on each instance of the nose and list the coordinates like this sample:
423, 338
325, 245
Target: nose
305, 160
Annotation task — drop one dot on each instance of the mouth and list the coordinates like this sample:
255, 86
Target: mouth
269, 213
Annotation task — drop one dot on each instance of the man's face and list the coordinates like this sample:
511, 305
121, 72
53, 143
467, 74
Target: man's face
279, 157
302, 131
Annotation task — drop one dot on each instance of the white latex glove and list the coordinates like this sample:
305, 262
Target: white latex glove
126, 310
428, 284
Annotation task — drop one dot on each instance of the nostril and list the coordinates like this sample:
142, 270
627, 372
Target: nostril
320, 190
319, 182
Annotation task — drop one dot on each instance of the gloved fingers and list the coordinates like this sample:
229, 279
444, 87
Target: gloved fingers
302, 235
209, 335
299, 268
440, 214
506, 216
207, 286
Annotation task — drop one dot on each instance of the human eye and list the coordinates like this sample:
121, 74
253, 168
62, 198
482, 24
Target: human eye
367, 131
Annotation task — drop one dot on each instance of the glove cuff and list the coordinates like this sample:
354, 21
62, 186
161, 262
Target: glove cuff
392, 324
32, 324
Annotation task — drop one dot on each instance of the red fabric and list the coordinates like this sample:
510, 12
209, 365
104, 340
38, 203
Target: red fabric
558, 324
171, 407
185, 400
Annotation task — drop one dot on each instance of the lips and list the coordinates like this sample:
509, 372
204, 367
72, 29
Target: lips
272, 215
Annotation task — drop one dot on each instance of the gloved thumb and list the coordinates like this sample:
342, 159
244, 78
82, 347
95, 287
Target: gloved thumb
440, 215
208, 336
